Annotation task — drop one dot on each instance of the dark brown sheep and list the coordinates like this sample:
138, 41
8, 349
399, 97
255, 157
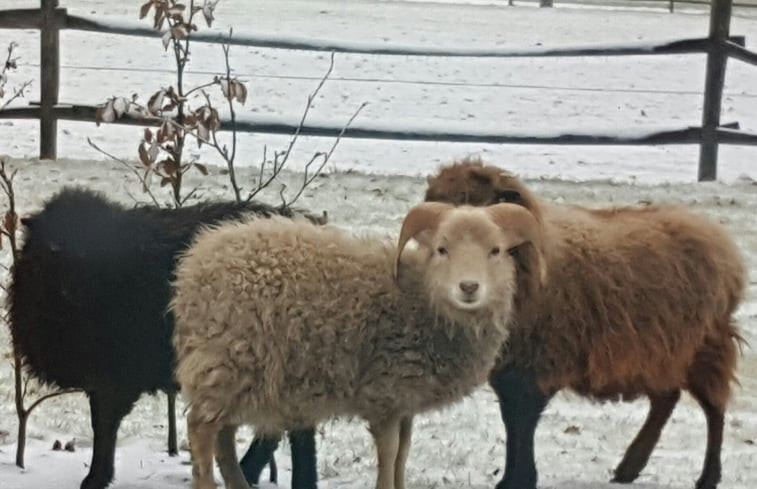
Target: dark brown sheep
638, 301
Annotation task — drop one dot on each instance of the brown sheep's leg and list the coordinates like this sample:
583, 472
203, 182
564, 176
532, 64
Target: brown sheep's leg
406, 435
708, 381
386, 436
521, 403
107, 409
201, 444
636, 457
304, 471
226, 457
711, 471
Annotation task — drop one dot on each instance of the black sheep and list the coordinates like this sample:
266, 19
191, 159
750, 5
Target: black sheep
88, 299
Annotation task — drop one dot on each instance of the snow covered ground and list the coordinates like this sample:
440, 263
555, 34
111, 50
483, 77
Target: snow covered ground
460, 447
372, 184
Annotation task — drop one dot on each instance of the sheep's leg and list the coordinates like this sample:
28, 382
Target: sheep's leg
173, 447
636, 457
258, 456
201, 443
406, 434
708, 381
386, 436
711, 471
107, 409
521, 403
304, 471
226, 457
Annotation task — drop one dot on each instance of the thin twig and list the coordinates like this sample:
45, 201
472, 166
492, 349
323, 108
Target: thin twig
200, 87
145, 187
326, 156
233, 115
10, 63
50, 396
17, 93
279, 165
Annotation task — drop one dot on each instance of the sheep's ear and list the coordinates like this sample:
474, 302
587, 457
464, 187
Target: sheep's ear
522, 225
421, 218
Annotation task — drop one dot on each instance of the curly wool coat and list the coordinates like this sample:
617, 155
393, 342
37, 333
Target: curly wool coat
283, 324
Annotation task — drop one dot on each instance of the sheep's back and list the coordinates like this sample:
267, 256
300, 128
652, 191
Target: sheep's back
90, 289
254, 300
632, 295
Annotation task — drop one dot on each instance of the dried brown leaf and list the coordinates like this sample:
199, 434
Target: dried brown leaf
120, 106
180, 31
148, 135
165, 181
203, 169
10, 222
144, 158
145, 9
166, 39
240, 91
155, 104
153, 152
105, 113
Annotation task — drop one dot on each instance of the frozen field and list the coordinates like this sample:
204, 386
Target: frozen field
461, 447
370, 186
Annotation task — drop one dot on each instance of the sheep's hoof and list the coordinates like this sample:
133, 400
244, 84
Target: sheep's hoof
96, 480
708, 483
624, 477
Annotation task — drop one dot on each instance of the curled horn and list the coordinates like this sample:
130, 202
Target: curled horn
420, 218
524, 225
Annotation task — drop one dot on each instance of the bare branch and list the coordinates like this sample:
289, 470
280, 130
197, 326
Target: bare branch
279, 164
130, 167
50, 396
17, 93
307, 180
200, 87
10, 64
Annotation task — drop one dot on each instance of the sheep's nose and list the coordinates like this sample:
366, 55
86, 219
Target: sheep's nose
468, 286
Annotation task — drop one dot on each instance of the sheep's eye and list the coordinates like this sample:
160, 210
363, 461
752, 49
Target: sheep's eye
494, 251
441, 250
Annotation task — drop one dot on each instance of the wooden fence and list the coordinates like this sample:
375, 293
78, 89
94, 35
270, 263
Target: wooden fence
719, 46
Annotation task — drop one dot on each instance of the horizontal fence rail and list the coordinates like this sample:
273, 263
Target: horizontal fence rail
27, 18
727, 133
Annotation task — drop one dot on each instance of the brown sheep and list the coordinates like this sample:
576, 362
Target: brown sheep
638, 301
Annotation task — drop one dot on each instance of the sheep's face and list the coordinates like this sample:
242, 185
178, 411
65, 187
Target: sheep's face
469, 268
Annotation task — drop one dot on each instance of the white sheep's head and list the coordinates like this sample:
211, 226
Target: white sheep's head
475, 261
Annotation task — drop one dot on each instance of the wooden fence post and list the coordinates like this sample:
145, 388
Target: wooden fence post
717, 57
49, 68
671, 6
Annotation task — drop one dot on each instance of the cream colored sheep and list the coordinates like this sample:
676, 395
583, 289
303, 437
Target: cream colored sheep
282, 324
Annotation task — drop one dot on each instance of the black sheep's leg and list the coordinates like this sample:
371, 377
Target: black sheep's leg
107, 409
258, 456
521, 403
304, 470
